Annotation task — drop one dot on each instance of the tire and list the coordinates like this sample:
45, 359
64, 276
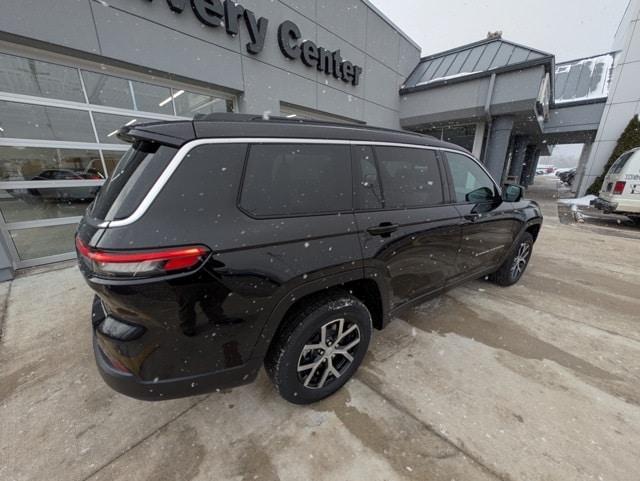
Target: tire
308, 342
516, 263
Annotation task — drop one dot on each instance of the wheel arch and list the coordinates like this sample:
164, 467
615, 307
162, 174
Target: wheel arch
367, 289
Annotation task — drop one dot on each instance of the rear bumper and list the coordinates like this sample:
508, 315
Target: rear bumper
131, 386
604, 205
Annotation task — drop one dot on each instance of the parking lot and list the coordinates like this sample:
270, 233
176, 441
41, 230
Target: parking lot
539, 381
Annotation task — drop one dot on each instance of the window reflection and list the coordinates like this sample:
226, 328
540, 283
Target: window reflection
43, 241
20, 205
32, 163
107, 90
189, 104
151, 98
111, 159
26, 121
107, 126
462, 135
41, 79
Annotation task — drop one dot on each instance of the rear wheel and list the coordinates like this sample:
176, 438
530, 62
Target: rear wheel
320, 348
514, 266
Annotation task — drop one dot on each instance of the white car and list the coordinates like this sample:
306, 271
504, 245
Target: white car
620, 191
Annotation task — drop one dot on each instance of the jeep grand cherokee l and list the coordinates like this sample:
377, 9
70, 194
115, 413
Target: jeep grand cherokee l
222, 244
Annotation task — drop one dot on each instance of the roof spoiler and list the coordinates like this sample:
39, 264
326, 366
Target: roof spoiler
173, 133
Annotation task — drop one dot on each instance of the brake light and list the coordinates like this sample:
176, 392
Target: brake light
141, 263
619, 187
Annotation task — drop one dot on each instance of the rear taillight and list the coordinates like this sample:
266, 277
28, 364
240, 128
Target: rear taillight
141, 263
619, 187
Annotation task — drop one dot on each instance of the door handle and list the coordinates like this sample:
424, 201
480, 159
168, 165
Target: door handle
384, 229
472, 217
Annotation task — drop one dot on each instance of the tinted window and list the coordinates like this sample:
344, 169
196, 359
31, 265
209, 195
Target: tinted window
285, 179
409, 177
471, 182
369, 193
136, 172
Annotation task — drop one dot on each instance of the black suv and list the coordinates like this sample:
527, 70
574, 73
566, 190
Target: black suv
221, 244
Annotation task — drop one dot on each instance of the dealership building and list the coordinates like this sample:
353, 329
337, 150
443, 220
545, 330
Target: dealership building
74, 72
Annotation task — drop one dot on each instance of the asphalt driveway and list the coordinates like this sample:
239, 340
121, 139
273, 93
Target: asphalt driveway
539, 381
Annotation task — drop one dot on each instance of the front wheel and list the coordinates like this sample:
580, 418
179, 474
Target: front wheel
320, 348
516, 263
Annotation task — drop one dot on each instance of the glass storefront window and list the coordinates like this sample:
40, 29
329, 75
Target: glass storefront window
107, 126
27, 163
26, 76
189, 104
107, 90
43, 241
462, 135
111, 159
66, 114
26, 121
20, 205
152, 98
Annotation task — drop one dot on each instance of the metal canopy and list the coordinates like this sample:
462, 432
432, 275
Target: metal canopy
476, 58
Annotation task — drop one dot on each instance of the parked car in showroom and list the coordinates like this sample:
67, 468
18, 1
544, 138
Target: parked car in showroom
226, 243
620, 193
66, 193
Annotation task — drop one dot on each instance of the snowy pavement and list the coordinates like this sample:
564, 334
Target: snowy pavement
539, 381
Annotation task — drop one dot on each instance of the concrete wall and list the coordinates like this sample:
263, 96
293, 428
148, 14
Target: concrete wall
624, 95
148, 35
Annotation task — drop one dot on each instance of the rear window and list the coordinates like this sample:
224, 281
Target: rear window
294, 179
619, 164
135, 173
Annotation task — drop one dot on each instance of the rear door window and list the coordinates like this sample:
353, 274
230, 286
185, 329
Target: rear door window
409, 177
294, 179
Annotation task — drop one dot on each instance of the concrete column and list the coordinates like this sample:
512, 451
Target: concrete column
478, 140
581, 169
519, 158
498, 146
530, 171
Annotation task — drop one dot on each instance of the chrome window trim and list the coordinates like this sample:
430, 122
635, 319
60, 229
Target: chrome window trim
189, 146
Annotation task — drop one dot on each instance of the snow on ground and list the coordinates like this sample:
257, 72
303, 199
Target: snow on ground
580, 201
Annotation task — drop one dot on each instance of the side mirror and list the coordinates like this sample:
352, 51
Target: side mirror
513, 193
482, 194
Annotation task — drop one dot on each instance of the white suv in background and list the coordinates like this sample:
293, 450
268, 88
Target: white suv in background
620, 191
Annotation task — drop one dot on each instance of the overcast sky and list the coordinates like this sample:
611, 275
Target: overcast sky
567, 28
